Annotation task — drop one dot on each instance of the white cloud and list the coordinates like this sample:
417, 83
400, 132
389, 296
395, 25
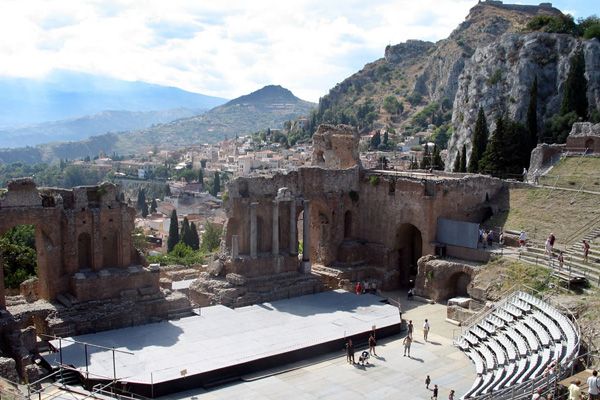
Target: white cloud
226, 48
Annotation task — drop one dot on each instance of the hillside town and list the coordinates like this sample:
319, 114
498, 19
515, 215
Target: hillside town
245, 156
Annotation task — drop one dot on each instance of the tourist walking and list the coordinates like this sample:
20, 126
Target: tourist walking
575, 390
524, 174
485, 239
358, 288
586, 249
560, 259
427, 382
593, 386
350, 352
451, 395
410, 329
536, 177
435, 392
547, 248
426, 328
410, 295
491, 238
551, 240
501, 240
522, 237
407, 342
372, 344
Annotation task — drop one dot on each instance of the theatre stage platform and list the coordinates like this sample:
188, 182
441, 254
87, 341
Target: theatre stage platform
222, 344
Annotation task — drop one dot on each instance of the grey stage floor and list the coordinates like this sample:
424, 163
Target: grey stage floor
221, 336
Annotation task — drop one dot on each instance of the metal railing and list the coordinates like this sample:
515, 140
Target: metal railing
526, 389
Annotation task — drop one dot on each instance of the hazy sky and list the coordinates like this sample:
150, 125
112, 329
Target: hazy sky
224, 48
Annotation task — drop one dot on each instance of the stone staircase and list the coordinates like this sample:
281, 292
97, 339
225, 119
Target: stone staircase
572, 258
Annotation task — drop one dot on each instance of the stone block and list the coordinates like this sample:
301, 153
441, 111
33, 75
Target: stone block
147, 290
128, 293
236, 279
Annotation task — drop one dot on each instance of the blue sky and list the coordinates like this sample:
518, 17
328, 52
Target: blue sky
224, 48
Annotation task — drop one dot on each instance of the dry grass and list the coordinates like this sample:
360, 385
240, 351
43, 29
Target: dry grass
567, 212
574, 173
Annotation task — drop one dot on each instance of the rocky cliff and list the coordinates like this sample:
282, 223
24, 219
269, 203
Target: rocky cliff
431, 69
498, 77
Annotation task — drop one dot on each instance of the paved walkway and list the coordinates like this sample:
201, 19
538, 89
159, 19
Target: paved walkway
388, 376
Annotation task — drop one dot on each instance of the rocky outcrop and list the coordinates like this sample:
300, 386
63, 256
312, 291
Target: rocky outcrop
499, 77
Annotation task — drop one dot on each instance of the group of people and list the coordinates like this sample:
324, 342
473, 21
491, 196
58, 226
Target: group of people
536, 176
366, 287
365, 355
486, 238
575, 392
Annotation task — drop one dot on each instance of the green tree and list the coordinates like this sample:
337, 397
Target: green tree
173, 232
201, 175
186, 235
426, 160
436, 161
153, 206
531, 118
494, 157
480, 139
392, 106
139, 239
456, 166
195, 238
141, 199
19, 255
376, 140
216, 188
575, 95
144, 210
211, 238
463, 159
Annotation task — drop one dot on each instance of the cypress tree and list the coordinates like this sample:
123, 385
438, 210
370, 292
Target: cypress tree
216, 184
456, 167
141, 198
463, 159
173, 232
494, 157
437, 162
575, 96
144, 210
195, 238
425, 161
186, 233
200, 175
480, 139
153, 206
531, 119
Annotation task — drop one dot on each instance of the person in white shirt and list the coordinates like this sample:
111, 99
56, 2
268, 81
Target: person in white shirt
426, 328
593, 389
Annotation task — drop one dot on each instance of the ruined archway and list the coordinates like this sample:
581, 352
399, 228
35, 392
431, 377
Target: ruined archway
457, 285
589, 145
409, 248
110, 250
84, 251
348, 224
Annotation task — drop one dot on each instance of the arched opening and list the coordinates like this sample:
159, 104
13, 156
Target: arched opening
84, 251
409, 247
347, 224
110, 250
589, 145
457, 285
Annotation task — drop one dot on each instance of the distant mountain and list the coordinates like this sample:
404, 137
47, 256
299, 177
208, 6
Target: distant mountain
80, 128
268, 107
67, 94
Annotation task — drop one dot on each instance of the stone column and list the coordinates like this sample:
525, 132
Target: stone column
235, 247
293, 236
275, 227
253, 230
306, 234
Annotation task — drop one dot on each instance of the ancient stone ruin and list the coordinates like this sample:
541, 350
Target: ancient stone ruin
337, 222
90, 276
